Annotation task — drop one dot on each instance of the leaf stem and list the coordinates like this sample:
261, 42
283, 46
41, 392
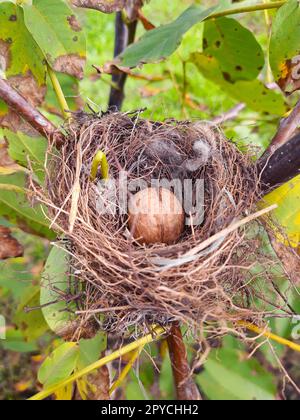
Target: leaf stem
59, 93
126, 370
247, 9
270, 335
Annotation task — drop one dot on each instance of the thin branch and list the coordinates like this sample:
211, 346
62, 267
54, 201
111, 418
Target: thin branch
126, 370
288, 127
124, 36
145, 22
229, 115
268, 334
247, 9
22, 107
186, 389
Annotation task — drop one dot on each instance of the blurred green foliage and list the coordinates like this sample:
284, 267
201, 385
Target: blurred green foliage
183, 92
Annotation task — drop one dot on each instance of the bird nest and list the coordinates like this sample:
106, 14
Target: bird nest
213, 272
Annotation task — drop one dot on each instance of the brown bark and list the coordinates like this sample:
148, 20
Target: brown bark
186, 389
281, 166
23, 108
287, 128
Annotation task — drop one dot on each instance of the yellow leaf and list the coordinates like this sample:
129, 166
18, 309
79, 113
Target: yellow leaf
22, 386
38, 358
287, 214
65, 393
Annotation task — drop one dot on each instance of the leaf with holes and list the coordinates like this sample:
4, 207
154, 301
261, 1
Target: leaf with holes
59, 365
254, 93
19, 54
285, 48
161, 42
58, 33
22, 62
239, 55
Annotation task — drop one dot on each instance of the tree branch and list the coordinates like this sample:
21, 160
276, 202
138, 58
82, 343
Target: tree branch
281, 166
186, 389
229, 115
288, 127
124, 36
22, 107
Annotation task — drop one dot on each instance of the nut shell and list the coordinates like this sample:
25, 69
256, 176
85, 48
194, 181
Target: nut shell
156, 216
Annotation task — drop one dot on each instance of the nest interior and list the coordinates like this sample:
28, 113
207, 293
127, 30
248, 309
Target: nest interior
127, 283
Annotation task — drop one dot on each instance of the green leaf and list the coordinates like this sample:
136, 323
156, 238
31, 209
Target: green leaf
285, 48
55, 284
254, 93
213, 389
15, 342
17, 209
22, 147
14, 277
59, 35
161, 42
59, 365
19, 54
166, 381
90, 349
235, 377
32, 324
239, 55
21, 61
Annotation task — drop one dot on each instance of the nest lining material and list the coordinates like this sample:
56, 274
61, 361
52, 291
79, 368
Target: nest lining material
132, 284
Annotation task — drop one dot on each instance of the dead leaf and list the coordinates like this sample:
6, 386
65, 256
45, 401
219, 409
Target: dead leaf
75, 25
9, 246
14, 122
289, 81
5, 55
145, 22
27, 86
23, 386
148, 92
7, 165
112, 67
71, 64
100, 382
105, 6
94, 387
